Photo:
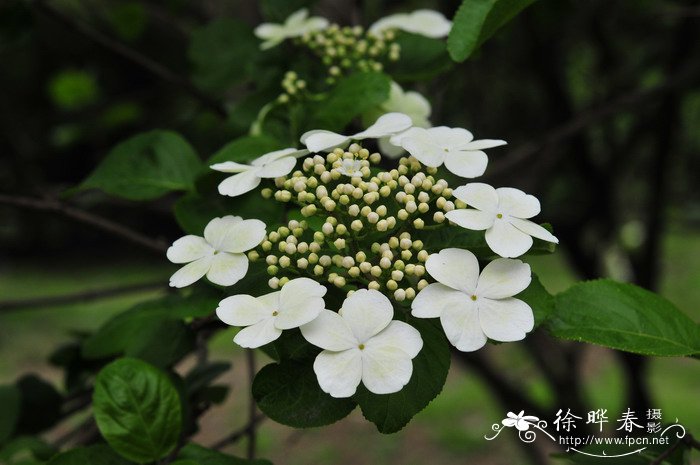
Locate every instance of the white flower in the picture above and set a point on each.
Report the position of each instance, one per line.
(520, 421)
(409, 103)
(428, 23)
(220, 254)
(271, 165)
(296, 25)
(299, 302)
(455, 147)
(502, 213)
(473, 306)
(363, 344)
(389, 124)
(351, 167)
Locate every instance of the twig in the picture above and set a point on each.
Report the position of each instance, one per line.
(82, 216)
(130, 54)
(252, 410)
(688, 440)
(86, 296)
(237, 435)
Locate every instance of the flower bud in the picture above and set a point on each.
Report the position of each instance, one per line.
(339, 243)
(422, 284)
(274, 283)
(272, 270)
(385, 263)
(374, 285)
(391, 285)
(423, 255)
(399, 295)
(418, 223)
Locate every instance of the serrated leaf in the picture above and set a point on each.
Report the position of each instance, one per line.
(391, 412)
(537, 297)
(146, 167)
(137, 410)
(476, 21)
(624, 317)
(289, 393)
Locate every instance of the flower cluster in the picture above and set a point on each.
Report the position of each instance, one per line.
(367, 233)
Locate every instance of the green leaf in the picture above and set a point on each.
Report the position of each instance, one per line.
(137, 410)
(624, 317)
(277, 11)
(391, 412)
(221, 53)
(421, 58)
(202, 375)
(99, 454)
(146, 166)
(245, 149)
(537, 297)
(73, 89)
(26, 445)
(289, 394)
(10, 401)
(352, 96)
(476, 21)
(203, 456)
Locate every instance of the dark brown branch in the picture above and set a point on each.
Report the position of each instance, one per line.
(239, 434)
(252, 410)
(78, 297)
(129, 54)
(82, 216)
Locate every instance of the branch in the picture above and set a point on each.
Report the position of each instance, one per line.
(86, 296)
(237, 435)
(82, 216)
(129, 54)
(252, 410)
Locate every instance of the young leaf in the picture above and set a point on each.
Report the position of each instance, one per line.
(289, 394)
(146, 166)
(137, 410)
(476, 21)
(98, 454)
(624, 317)
(10, 401)
(203, 456)
(391, 412)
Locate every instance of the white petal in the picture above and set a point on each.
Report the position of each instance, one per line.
(315, 23)
(268, 31)
(507, 240)
(482, 144)
(433, 299)
(456, 268)
(462, 327)
(451, 138)
(240, 183)
(388, 149)
(258, 334)
(277, 168)
(533, 229)
(218, 228)
(478, 195)
(187, 249)
(242, 310)
(476, 220)
(301, 300)
(366, 312)
(320, 140)
(505, 319)
(230, 167)
(429, 23)
(419, 143)
(389, 22)
(297, 18)
(227, 268)
(241, 236)
(502, 278)
(509, 422)
(191, 272)
(467, 164)
(385, 369)
(339, 373)
(269, 157)
(386, 125)
(515, 202)
(397, 335)
(329, 331)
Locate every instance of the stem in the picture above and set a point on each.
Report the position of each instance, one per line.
(252, 410)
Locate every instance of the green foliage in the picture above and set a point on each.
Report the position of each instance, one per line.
(391, 412)
(40, 407)
(343, 103)
(73, 89)
(128, 19)
(476, 21)
(203, 456)
(278, 10)
(244, 149)
(146, 167)
(624, 317)
(221, 53)
(10, 401)
(422, 58)
(98, 454)
(137, 410)
(289, 394)
(537, 297)
(17, 451)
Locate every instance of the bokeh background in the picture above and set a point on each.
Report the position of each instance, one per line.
(599, 101)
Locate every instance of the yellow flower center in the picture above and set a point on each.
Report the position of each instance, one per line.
(361, 347)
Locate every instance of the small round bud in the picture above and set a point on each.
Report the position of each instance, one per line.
(385, 263)
(423, 255)
(318, 270)
(410, 293)
(354, 272)
(422, 284)
(373, 217)
(302, 263)
(376, 271)
(402, 214)
(272, 270)
(347, 262)
(400, 295)
(354, 210)
(285, 261)
(391, 285)
(356, 225)
(439, 217)
(271, 260)
(397, 275)
(374, 285)
(405, 243)
(327, 229)
(290, 249)
(418, 223)
(274, 283)
(339, 243)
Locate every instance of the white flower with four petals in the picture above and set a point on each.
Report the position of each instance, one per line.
(320, 140)
(471, 306)
(220, 254)
(296, 25)
(427, 23)
(363, 345)
(521, 421)
(410, 103)
(297, 303)
(503, 213)
(455, 147)
(271, 165)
